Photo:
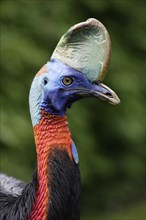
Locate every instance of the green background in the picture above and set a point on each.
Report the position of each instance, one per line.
(110, 139)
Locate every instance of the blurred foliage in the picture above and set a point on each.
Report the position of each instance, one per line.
(129, 213)
(110, 139)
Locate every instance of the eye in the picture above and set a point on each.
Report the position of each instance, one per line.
(45, 81)
(67, 81)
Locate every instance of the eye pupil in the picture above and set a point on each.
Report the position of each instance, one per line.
(67, 81)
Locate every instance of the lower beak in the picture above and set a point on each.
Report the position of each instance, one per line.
(105, 93)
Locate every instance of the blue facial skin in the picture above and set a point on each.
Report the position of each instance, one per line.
(48, 91)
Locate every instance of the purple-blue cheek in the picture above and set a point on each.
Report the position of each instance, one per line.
(54, 104)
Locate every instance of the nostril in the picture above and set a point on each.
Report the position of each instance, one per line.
(108, 94)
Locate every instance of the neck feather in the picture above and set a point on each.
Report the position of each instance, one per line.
(52, 132)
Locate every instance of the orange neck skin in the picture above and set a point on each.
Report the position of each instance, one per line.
(51, 132)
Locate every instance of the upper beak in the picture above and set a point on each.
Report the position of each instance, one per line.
(99, 90)
(105, 93)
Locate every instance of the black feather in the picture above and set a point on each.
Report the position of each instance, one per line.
(18, 207)
(64, 187)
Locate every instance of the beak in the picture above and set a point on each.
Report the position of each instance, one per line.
(105, 93)
(102, 92)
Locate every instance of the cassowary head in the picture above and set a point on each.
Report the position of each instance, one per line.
(75, 70)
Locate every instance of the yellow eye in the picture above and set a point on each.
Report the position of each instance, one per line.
(67, 81)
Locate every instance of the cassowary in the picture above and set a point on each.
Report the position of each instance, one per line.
(75, 70)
